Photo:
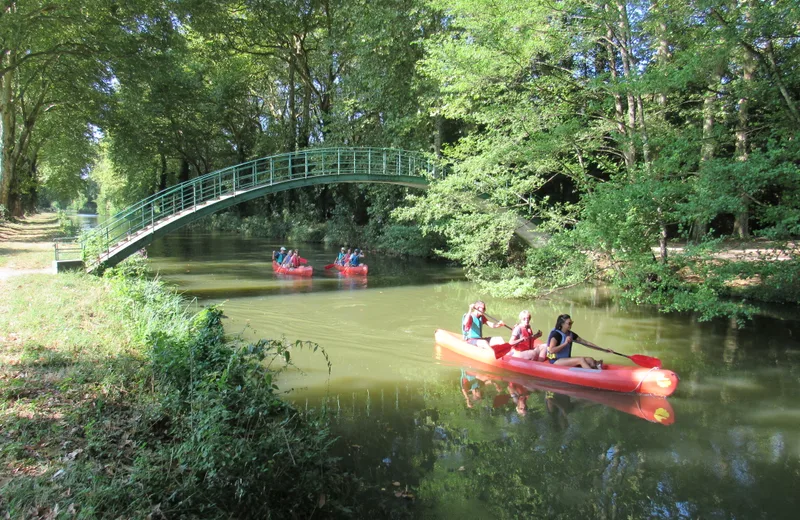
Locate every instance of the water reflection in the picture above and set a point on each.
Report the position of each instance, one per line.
(293, 284)
(522, 449)
(559, 400)
(351, 283)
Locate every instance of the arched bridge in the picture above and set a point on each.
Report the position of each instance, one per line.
(155, 216)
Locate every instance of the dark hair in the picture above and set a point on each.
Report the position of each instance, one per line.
(560, 321)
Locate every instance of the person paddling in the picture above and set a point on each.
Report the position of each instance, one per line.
(559, 346)
(287, 261)
(522, 340)
(355, 258)
(340, 257)
(279, 256)
(472, 326)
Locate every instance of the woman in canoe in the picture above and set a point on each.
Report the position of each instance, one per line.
(472, 326)
(340, 258)
(559, 346)
(522, 337)
(288, 260)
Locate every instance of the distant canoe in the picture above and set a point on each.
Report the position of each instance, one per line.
(357, 270)
(305, 270)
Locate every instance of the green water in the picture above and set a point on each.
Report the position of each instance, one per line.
(445, 440)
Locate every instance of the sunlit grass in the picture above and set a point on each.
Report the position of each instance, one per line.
(73, 314)
(26, 255)
(28, 243)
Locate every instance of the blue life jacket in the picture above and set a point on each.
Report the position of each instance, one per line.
(564, 352)
(476, 327)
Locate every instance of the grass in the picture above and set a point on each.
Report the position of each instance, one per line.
(62, 352)
(118, 401)
(28, 244)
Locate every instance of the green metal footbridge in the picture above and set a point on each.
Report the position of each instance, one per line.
(131, 229)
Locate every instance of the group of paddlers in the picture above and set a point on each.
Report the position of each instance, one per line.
(349, 257)
(289, 259)
(557, 350)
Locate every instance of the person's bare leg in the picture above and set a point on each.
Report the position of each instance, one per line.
(525, 354)
(573, 362)
(496, 340)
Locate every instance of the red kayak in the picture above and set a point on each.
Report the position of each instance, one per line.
(651, 408)
(303, 270)
(617, 378)
(357, 270)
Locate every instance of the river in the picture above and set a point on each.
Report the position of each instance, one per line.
(445, 440)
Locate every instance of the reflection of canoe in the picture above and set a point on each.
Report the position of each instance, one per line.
(357, 270)
(303, 270)
(651, 408)
(618, 378)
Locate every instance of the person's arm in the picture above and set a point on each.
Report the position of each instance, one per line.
(516, 337)
(587, 343)
(493, 324)
(465, 393)
(554, 348)
(467, 323)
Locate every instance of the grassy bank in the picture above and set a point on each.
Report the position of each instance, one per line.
(122, 400)
(28, 244)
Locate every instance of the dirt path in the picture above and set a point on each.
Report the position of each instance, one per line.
(26, 246)
(750, 250)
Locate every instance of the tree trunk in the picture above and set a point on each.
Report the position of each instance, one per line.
(740, 223)
(305, 136)
(292, 107)
(618, 110)
(185, 169)
(437, 136)
(7, 127)
(628, 65)
(709, 147)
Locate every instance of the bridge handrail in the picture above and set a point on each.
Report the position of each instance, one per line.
(245, 176)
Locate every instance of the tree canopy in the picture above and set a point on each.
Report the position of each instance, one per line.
(619, 128)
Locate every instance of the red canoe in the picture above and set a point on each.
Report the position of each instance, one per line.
(653, 408)
(303, 270)
(617, 378)
(357, 270)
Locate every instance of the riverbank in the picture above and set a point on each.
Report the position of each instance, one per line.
(121, 399)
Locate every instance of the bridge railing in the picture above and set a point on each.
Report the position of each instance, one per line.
(267, 171)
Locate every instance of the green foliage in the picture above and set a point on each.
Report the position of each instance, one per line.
(67, 227)
(406, 239)
(170, 403)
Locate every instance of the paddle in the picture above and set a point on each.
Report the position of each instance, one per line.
(504, 348)
(330, 266)
(302, 260)
(639, 359)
